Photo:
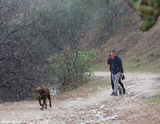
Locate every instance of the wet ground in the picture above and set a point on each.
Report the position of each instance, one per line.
(97, 108)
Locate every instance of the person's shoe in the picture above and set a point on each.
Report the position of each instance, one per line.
(112, 93)
(124, 91)
(115, 94)
(120, 92)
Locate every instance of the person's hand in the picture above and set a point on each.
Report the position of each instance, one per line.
(122, 74)
(123, 77)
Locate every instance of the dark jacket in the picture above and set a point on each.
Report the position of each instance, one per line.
(116, 64)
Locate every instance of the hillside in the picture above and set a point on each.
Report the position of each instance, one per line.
(139, 50)
(51, 44)
(117, 32)
(63, 45)
(132, 43)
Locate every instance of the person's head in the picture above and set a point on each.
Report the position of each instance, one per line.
(113, 53)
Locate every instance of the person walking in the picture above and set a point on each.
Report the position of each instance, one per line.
(110, 68)
(120, 79)
(116, 71)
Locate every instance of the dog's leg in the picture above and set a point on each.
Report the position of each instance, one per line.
(43, 103)
(40, 102)
(49, 98)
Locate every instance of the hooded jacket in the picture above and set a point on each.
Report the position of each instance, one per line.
(116, 64)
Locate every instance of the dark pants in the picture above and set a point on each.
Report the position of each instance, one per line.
(120, 82)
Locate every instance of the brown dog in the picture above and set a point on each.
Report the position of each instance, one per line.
(43, 93)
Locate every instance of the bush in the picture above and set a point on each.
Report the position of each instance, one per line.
(72, 69)
(149, 10)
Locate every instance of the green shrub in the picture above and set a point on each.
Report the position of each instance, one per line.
(149, 10)
(72, 69)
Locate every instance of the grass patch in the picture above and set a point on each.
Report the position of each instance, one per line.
(145, 63)
(148, 62)
(99, 67)
(153, 100)
(85, 90)
(142, 65)
(100, 82)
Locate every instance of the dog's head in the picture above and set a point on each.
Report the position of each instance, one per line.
(38, 92)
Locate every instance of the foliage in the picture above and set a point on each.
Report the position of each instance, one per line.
(110, 19)
(30, 37)
(149, 10)
(61, 26)
(23, 64)
(72, 69)
(65, 22)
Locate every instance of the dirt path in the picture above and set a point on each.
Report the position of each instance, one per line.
(100, 108)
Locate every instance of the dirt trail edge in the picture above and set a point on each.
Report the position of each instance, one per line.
(100, 108)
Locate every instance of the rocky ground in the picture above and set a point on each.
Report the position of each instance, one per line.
(138, 105)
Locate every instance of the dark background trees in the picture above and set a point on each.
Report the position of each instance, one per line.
(22, 65)
(41, 43)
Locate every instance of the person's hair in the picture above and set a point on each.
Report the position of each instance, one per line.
(114, 51)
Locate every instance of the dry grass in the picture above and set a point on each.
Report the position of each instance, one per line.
(86, 90)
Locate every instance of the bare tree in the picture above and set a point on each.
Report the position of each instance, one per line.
(23, 65)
